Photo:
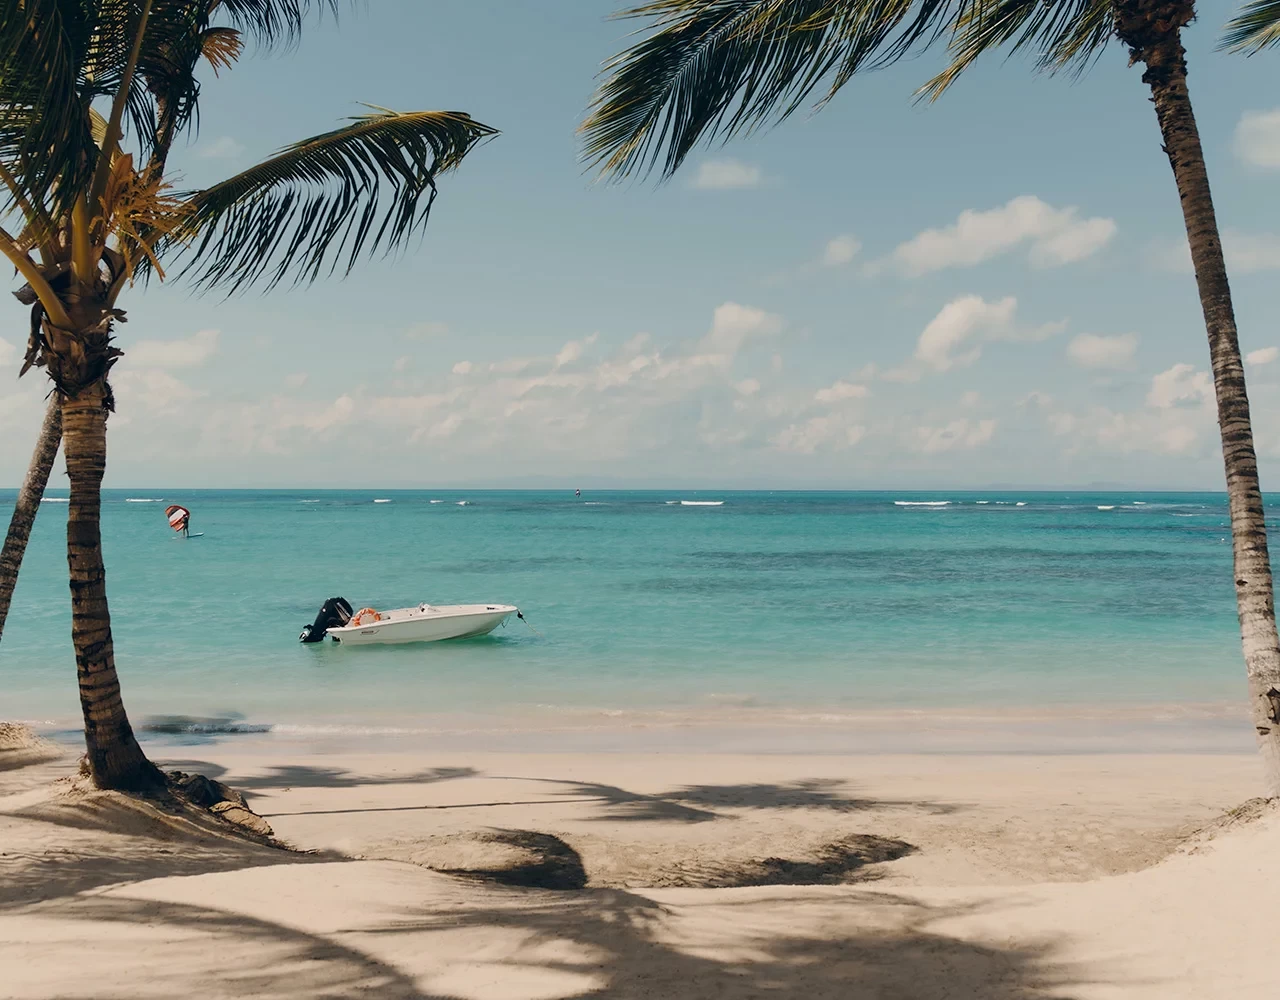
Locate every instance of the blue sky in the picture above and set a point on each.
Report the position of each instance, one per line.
(991, 289)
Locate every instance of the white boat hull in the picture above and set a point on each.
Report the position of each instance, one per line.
(426, 624)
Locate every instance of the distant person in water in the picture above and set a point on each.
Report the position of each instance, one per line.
(577, 493)
(186, 526)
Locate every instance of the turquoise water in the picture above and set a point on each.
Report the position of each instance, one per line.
(830, 601)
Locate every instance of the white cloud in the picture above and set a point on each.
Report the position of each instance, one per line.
(401, 363)
(961, 321)
(748, 386)
(840, 391)
(1245, 253)
(1176, 418)
(1257, 139)
(1262, 356)
(1180, 385)
(1249, 252)
(222, 148)
(7, 352)
(841, 250)
(1089, 350)
(727, 175)
(957, 434)
(970, 399)
(805, 438)
(296, 381)
(463, 368)
(572, 351)
(150, 391)
(1056, 235)
(733, 325)
(340, 411)
(163, 354)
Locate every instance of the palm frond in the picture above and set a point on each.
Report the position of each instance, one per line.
(1065, 35)
(271, 23)
(362, 188)
(43, 136)
(713, 68)
(139, 210)
(1255, 28)
(221, 47)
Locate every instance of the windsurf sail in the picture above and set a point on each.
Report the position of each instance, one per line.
(179, 517)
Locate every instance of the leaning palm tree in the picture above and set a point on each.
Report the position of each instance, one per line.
(710, 69)
(95, 211)
(27, 505)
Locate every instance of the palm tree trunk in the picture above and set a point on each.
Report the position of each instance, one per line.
(1166, 74)
(24, 511)
(114, 757)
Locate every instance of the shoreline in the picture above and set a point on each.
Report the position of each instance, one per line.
(1190, 728)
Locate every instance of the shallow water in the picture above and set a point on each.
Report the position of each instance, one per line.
(645, 601)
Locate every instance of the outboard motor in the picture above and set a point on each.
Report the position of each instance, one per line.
(334, 613)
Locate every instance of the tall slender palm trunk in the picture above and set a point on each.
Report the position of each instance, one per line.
(24, 511)
(114, 757)
(1151, 28)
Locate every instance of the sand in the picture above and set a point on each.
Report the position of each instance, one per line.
(686, 875)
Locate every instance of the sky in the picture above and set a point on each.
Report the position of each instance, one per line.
(992, 289)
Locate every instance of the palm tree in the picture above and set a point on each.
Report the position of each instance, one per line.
(710, 69)
(92, 222)
(27, 504)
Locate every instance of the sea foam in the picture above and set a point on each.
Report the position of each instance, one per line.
(922, 503)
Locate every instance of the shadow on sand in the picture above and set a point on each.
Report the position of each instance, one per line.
(78, 895)
(698, 803)
(543, 861)
(606, 944)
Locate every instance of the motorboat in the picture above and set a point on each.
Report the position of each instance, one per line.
(425, 623)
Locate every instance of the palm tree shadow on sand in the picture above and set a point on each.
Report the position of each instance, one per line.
(603, 943)
(98, 889)
(698, 803)
(544, 861)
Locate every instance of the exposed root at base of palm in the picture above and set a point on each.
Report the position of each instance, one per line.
(177, 791)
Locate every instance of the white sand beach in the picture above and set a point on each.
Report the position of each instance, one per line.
(539, 876)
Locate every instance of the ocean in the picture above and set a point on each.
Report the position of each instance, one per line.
(649, 607)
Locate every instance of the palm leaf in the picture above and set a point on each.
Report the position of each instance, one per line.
(1065, 34)
(713, 68)
(271, 23)
(44, 140)
(1255, 28)
(221, 47)
(362, 188)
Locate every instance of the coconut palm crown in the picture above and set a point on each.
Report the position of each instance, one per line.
(707, 70)
(93, 94)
